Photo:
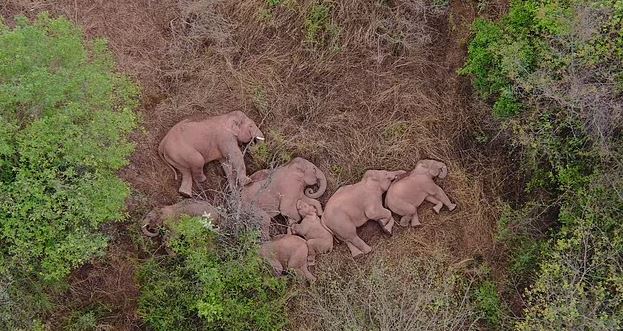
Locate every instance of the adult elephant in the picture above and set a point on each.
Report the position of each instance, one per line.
(277, 192)
(351, 206)
(190, 144)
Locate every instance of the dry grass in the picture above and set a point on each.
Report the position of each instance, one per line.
(376, 89)
(415, 290)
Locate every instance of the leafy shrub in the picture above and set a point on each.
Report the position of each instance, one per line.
(488, 301)
(64, 121)
(205, 286)
(559, 62)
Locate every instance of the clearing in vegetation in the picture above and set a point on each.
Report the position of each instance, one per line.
(535, 166)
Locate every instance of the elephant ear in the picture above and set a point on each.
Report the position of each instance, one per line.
(434, 171)
(234, 125)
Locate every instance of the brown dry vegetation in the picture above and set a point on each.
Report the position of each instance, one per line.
(376, 89)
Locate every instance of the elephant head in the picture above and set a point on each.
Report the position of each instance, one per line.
(311, 176)
(244, 128)
(305, 209)
(432, 167)
(382, 178)
(151, 221)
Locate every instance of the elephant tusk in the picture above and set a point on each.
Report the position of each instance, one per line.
(260, 138)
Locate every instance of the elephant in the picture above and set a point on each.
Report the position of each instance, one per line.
(319, 237)
(407, 194)
(156, 217)
(351, 206)
(190, 144)
(287, 251)
(277, 192)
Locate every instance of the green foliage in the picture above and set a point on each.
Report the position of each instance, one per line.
(273, 152)
(209, 286)
(319, 30)
(489, 303)
(65, 118)
(537, 65)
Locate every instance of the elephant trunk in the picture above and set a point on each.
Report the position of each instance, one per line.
(146, 222)
(322, 185)
(147, 232)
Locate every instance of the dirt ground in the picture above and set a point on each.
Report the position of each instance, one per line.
(375, 88)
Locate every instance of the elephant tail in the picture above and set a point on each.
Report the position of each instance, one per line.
(166, 160)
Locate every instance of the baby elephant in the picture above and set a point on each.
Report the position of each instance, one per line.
(407, 194)
(155, 218)
(287, 251)
(319, 238)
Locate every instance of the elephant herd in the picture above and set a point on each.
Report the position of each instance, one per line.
(287, 191)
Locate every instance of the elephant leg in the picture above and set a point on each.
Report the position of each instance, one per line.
(277, 266)
(382, 216)
(186, 188)
(229, 174)
(314, 203)
(310, 277)
(415, 220)
(405, 220)
(439, 194)
(360, 245)
(198, 174)
(354, 251)
(313, 251)
(438, 204)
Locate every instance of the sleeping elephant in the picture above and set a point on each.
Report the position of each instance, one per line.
(351, 206)
(407, 194)
(319, 238)
(189, 145)
(195, 208)
(287, 251)
(277, 191)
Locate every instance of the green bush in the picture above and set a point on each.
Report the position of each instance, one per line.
(559, 63)
(210, 286)
(489, 303)
(64, 121)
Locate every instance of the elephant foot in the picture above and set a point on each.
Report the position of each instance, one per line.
(405, 220)
(415, 222)
(452, 206)
(186, 193)
(202, 178)
(437, 208)
(387, 228)
(354, 251)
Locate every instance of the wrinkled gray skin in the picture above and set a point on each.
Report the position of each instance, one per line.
(287, 252)
(351, 206)
(189, 145)
(277, 192)
(319, 238)
(155, 218)
(407, 194)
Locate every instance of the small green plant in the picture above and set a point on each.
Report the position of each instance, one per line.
(319, 31)
(273, 152)
(210, 286)
(65, 118)
(488, 302)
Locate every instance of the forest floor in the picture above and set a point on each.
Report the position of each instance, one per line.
(369, 86)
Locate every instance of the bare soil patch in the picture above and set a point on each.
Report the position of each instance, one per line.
(375, 88)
